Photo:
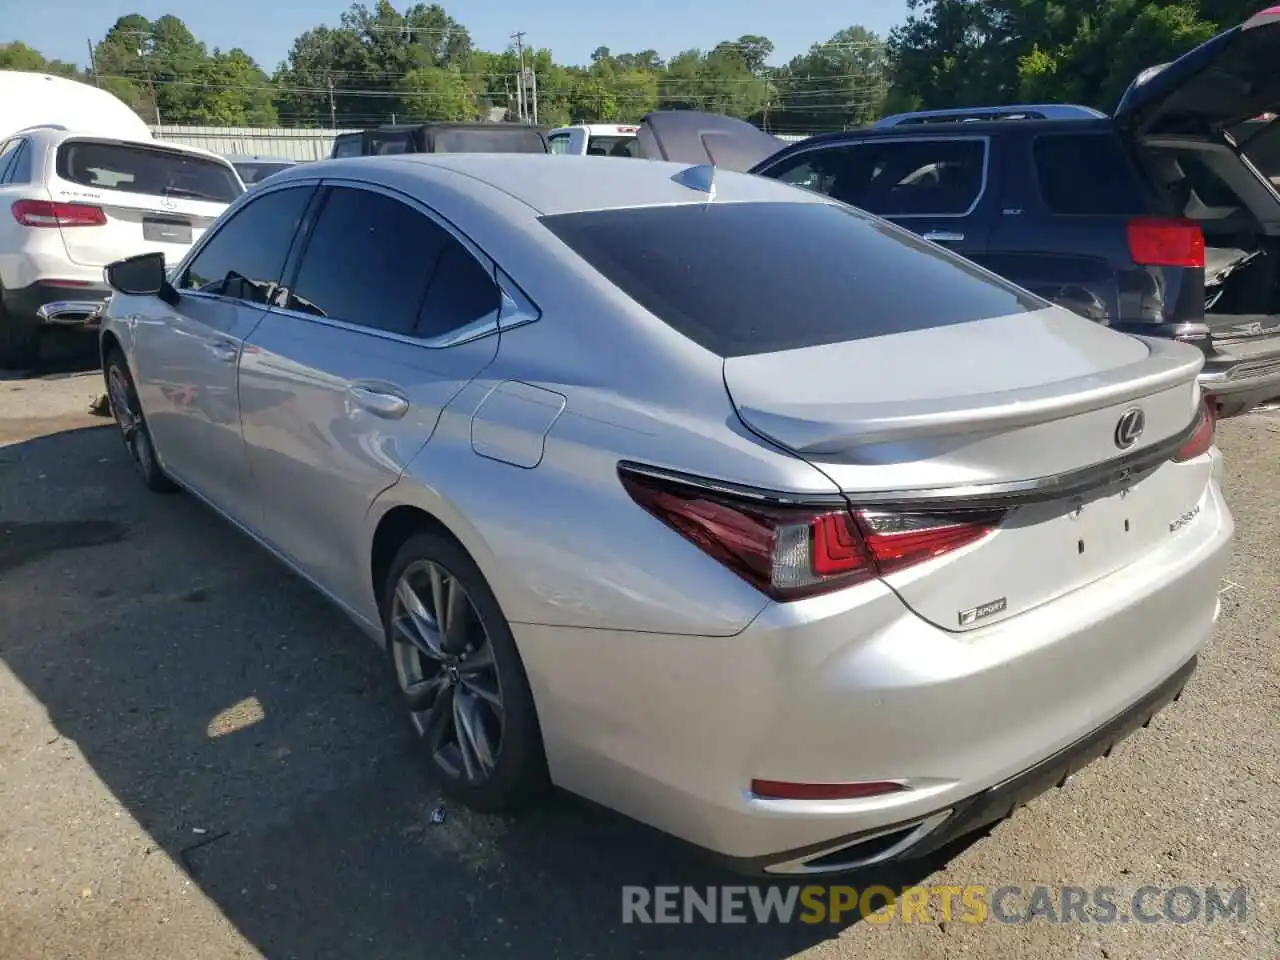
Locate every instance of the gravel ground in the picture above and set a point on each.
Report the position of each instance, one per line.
(199, 758)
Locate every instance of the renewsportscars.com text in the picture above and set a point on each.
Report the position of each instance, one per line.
(973, 904)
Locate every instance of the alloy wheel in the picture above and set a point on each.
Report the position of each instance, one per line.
(445, 667)
(129, 419)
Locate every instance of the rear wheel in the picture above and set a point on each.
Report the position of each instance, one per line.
(461, 677)
(19, 342)
(123, 400)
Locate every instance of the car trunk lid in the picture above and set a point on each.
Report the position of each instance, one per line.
(1228, 79)
(690, 136)
(916, 423)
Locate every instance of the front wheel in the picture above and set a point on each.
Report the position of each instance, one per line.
(123, 400)
(461, 677)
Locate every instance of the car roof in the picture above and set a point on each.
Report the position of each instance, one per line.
(547, 183)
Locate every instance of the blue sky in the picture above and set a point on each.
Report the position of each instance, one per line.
(571, 28)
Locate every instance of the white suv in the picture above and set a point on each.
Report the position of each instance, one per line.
(70, 203)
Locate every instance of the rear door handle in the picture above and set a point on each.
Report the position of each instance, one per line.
(224, 351)
(943, 236)
(379, 401)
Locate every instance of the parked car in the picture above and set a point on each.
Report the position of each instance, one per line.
(72, 203)
(442, 138)
(649, 495)
(596, 140)
(254, 169)
(1147, 221)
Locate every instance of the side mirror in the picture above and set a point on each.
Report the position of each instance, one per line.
(142, 275)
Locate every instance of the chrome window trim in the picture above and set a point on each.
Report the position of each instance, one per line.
(984, 139)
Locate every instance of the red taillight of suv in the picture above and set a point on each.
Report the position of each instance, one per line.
(795, 551)
(45, 213)
(1202, 439)
(1157, 242)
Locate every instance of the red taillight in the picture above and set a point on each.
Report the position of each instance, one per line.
(790, 552)
(1166, 243)
(44, 213)
(780, 790)
(1202, 439)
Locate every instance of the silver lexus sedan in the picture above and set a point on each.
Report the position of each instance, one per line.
(709, 498)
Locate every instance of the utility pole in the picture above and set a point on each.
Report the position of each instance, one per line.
(93, 65)
(151, 83)
(333, 110)
(518, 37)
(533, 77)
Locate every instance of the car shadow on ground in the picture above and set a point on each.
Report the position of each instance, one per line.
(253, 734)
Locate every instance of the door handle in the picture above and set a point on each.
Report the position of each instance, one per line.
(943, 236)
(226, 352)
(380, 402)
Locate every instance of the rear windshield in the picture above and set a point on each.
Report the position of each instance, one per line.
(623, 146)
(479, 140)
(1087, 175)
(152, 171)
(256, 172)
(749, 278)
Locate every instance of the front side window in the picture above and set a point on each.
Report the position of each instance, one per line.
(154, 171)
(246, 256)
(894, 178)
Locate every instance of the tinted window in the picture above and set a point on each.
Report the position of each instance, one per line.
(368, 261)
(348, 147)
(20, 171)
(895, 178)
(559, 144)
(1086, 175)
(256, 171)
(7, 152)
(245, 257)
(747, 278)
(381, 144)
(462, 292)
(149, 170)
(479, 140)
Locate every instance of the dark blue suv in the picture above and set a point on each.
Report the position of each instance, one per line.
(1151, 220)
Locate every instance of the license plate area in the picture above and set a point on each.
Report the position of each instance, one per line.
(166, 230)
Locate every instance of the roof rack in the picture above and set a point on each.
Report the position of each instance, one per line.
(1038, 111)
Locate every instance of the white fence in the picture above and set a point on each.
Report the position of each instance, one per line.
(293, 143)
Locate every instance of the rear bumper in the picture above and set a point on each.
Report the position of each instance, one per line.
(52, 303)
(854, 687)
(922, 836)
(1242, 374)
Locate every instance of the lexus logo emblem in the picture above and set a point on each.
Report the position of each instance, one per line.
(1129, 429)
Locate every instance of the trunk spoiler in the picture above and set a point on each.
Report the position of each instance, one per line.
(837, 429)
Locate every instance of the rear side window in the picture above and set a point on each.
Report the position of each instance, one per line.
(147, 170)
(917, 177)
(1087, 175)
(750, 278)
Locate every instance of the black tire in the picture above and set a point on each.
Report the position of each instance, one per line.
(19, 342)
(518, 776)
(127, 411)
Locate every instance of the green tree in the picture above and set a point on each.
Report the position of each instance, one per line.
(436, 93)
(839, 83)
(18, 56)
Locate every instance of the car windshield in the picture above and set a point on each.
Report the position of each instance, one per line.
(149, 170)
(750, 278)
(258, 170)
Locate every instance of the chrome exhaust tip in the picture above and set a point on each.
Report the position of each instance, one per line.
(866, 851)
(71, 311)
